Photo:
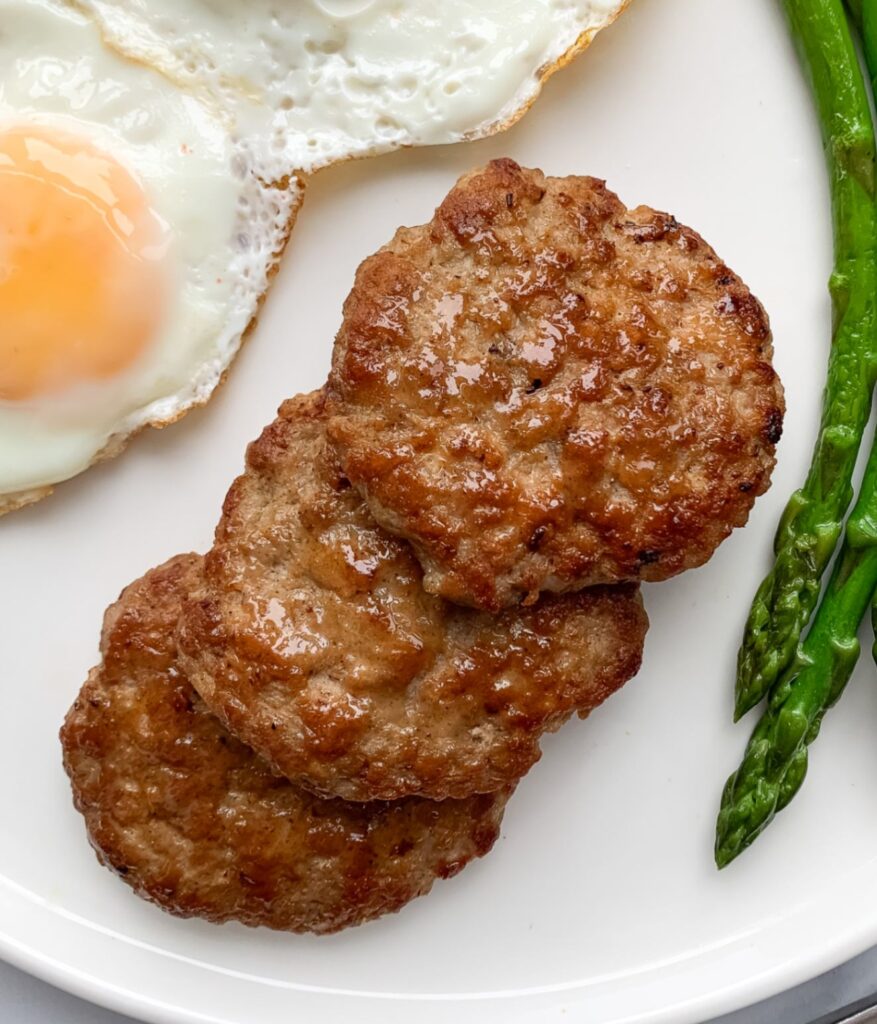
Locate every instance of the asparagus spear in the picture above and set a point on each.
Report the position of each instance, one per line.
(775, 762)
(864, 15)
(811, 524)
(855, 9)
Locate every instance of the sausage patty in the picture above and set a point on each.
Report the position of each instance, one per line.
(194, 821)
(313, 640)
(544, 390)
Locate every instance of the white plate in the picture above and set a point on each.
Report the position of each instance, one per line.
(600, 902)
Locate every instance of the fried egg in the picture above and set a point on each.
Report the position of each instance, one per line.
(312, 82)
(152, 155)
(135, 243)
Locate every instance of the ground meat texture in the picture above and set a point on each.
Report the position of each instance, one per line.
(194, 821)
(543, 390)
(312, 638)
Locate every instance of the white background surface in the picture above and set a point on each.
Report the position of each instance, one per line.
(600, 901)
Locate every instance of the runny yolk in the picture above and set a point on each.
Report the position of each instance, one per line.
(81, 278)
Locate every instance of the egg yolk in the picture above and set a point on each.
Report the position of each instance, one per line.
(81, 276)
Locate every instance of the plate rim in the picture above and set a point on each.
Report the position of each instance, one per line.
(745, 990)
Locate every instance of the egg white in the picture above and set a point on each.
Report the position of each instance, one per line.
(313, 82)
(226, 229)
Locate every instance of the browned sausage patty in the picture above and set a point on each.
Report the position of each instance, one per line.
(544, 390)
(315, 643)
(191, 819)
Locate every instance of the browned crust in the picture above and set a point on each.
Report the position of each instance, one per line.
(542, 390)
(313, 640)
(193, 821)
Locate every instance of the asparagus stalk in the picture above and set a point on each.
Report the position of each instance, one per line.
(855, 9)
(775, 762)
(863, 14)
(811, 524)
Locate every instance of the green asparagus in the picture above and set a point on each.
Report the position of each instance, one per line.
(867, 22)
(860, 12)
(864, 14)
(811, 524)
(775, 762)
